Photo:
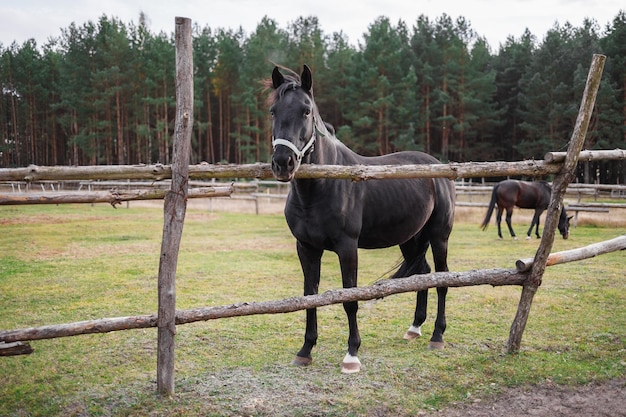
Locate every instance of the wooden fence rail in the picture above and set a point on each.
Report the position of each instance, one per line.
(156, 172)
(615, 154)
(383, 288)
(159, 172)
(590, 251)
(113, 197)
(123, 191)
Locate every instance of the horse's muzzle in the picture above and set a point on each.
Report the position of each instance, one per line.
(283, 166)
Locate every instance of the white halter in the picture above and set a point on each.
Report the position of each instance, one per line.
(299, 153)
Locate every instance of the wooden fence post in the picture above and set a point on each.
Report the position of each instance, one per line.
(174, 207)
(559, 185)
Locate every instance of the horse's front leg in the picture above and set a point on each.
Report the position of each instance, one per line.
(310, 260)
(436, 341)
(439, 247)
(348, 260)
(419, 317)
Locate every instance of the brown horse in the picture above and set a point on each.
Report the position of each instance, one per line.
(529, 195)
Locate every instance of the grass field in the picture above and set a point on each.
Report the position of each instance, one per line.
(69, 263)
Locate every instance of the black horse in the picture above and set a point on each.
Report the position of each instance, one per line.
(343, 215)
(531, 195)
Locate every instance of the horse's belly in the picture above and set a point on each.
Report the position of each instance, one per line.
(378, 218)
(395, 220)
(384, 235)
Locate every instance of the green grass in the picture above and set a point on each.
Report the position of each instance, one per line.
(69, 263)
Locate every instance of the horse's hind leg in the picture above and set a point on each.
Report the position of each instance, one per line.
(509, 214)
(535, 223)
(414, 255)
(439, 241)
(499, 221)
(436, 341)
(439, 245)
(419, 318)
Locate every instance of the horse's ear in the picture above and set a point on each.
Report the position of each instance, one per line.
(277, 78)
(306, 78)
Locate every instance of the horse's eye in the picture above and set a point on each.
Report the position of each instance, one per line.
(307, 113)
(272, 114)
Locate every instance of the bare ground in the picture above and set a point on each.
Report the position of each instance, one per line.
(548, 400)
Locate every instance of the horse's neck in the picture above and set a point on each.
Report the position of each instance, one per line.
(329, 150)
(326, 151)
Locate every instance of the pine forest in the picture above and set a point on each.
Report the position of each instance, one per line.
(103, 93)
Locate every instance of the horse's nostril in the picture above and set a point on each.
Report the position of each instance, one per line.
(283, 163)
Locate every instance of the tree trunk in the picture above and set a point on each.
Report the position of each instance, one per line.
(445, 131)
(428, 125)
(121, 143)
(210, 156)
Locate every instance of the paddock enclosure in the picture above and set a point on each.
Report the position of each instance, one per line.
(528, 273)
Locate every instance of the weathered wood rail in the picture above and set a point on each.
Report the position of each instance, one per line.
(383, 288)
(590, 251)
(157, 172)
(113, 197)
(452, 170)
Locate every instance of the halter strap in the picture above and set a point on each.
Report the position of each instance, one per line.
(299, 153)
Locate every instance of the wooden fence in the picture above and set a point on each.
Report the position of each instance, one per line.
(175, 205)
(257, 191)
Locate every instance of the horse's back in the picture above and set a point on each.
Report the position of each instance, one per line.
(523, 194)
(378, 213)
(440, 189)
(404, 205)
(399, 158)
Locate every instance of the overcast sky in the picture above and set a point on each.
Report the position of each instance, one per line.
(493, 19)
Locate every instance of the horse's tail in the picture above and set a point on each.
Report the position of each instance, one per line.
(414, 261)
(412, 267)
(492, 204)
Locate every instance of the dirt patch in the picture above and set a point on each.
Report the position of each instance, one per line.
(242, 392)
(547, 400)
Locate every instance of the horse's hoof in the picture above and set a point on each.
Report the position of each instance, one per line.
(436, 345)
(514, 237)
(350, 365)
(413, 333)
(300, 361)
(528, 238)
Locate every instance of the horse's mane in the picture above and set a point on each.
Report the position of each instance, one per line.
(292, 81)
(545, 183)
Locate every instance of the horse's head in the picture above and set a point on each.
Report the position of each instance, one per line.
(564, 224)
(293, 122)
